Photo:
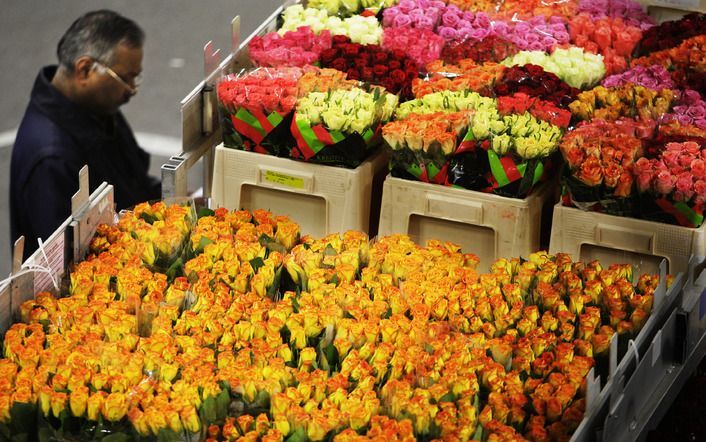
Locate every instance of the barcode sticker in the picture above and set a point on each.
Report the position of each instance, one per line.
(284, 179)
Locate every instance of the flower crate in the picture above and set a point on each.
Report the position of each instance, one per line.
(323, 199)
(488, 225)
(611, 239)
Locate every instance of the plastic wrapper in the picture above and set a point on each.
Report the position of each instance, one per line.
(534, 81)
(163, 228)
(623, 101)
(340, 127)
(465, 75)
(256, 109)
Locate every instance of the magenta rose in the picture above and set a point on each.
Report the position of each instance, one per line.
(401, 21)
(450, 19)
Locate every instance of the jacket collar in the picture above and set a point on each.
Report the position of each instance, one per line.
(80, 122)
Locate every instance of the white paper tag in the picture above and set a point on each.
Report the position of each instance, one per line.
(55, 254)
(656, 348)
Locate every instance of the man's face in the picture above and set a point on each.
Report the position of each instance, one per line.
(105, 93)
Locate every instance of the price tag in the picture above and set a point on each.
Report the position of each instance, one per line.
(284, 179)
(680, 3)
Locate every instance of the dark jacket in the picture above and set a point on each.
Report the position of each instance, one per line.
(55, 139)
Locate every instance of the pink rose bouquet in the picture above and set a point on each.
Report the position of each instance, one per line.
(654, 77)
(421, 45)
(294, 48)
(421, 14)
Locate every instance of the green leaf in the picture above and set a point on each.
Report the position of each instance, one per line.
(203, 242)
(208, 411)
(23, 418)
(448, 397)
(149, 219)
(222, 403)
(117, 437)
(205, 211)
(256, 263)
(298, 436)
(168, 435)
(332, 356)
(174, 270)
(295, 305)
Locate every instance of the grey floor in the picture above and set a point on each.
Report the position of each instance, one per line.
(176, 33)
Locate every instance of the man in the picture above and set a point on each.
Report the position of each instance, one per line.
(73, 119)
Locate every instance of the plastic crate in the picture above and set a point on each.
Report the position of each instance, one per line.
(488, 225)
(666, 10)
(615, 239)
(322, 199)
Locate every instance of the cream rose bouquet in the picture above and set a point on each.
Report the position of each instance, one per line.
(340, 126)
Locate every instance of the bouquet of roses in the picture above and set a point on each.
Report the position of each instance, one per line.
(423, 144)
(535, 34)
(255, 106)
(534, 81)
(520, 103)
(654, 77)
(526, 9)
(340, 126)
(598, 164)
(421, 45)
(609, 36)
(577, 68)
(623, 101)
(343, 8)
(473, 77)
(464, 26)
(686, 62)
(364, 30)
(371, 64)
(673, 187)
(323, 80)
(421, 14)
(689, 111)
(671, 34)
(295, 48)
(632, 12)
(491, 49)
(495, 152)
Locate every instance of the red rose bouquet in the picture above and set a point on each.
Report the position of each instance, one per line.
(294, 48)
(254, 106)
(673, 187)
(492, 48)
(672, 33)
(392, 70)
(536, 82)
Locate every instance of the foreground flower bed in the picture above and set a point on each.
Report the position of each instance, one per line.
(265, 335)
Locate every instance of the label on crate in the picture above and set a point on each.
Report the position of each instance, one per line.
(54, 251)
(284, 179)
(702, 305)
(678, 3)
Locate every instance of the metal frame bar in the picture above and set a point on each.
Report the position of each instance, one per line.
(200, 128)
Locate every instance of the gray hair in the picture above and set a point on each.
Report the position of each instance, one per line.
(96, 34)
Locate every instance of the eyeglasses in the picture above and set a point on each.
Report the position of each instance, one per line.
(137, 81)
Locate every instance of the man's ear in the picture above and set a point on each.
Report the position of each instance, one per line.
(82, 67)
